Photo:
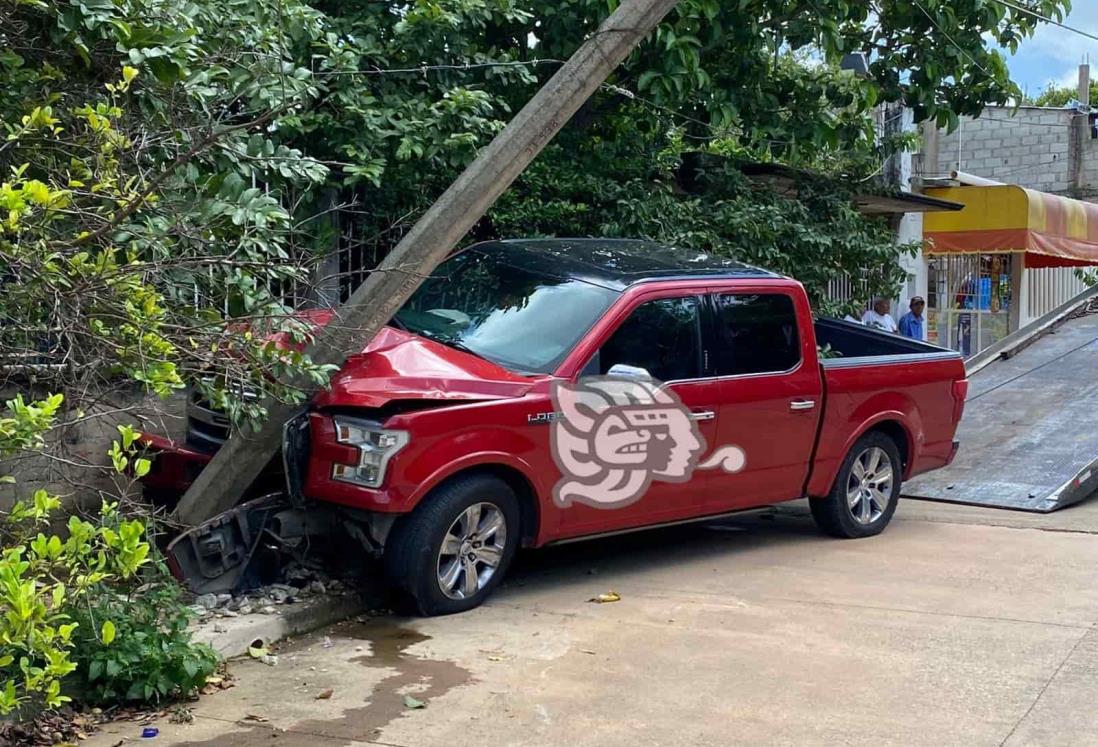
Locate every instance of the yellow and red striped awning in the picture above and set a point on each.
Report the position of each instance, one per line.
(1051, 231)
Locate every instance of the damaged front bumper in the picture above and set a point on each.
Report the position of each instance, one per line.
(248, 545)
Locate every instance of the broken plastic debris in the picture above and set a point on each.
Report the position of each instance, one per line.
(269, 659)
(149, 732)
(610, 596)
(327, 642)
(325, 694)
(410, 702)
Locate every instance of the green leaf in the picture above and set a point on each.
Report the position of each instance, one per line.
(136, 691)
(141, 467)
(646, 78)
(107, 633)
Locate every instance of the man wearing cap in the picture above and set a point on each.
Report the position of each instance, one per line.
(911, 323)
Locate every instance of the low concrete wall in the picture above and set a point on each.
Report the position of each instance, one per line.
(74, 464)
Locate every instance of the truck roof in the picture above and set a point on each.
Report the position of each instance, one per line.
(615, 263)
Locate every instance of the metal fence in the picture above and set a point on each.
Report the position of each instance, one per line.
(1048, 288)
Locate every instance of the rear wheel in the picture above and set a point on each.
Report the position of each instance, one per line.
(863, 499)
(452, 551)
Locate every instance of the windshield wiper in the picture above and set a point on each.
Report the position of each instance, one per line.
(450, 342)
(458, 345)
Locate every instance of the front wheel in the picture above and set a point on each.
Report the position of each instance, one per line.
(864, 497)
(452, 551)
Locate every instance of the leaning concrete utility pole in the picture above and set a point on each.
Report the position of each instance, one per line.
(224, 480)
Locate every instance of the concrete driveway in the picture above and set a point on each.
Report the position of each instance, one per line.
(957, 626)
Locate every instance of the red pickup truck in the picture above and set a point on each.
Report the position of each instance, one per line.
(446, 441)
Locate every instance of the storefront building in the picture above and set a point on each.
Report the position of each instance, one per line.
(1010, 256)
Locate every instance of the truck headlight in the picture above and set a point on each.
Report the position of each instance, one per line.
(376, 446)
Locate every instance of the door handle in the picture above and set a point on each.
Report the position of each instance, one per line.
(702, 415)
(799, 405)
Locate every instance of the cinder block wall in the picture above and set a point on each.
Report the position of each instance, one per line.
(1030, 147)
(1089, 191)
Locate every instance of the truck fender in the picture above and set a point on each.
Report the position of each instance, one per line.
(887, 407)
(471, 461)
(496, 450)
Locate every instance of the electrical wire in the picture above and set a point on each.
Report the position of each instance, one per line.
(424, 69)
(1046, 19)
(1016, 123)
(960, 49)
(1057, 359)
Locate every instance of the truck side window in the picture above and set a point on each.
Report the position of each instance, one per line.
(756, 333)
(662, 336)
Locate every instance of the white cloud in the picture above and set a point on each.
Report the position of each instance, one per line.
(1053, 55)
(1064, 45)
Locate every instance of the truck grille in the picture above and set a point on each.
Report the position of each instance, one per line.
(207, 427)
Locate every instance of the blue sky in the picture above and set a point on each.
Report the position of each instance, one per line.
(1054, 54)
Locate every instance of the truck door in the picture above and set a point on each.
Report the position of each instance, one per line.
(770, 391)
(661, 334)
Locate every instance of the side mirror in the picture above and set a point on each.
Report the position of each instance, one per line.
(629, 372)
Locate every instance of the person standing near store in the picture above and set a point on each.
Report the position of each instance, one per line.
(879, 316)
(912, 324)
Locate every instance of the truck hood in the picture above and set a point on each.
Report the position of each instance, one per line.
(398, 365)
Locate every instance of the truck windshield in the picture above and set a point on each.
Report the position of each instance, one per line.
(523, 320)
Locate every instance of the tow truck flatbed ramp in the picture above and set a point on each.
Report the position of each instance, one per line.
(1029, 436)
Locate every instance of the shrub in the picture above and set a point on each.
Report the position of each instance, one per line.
(86, 607)
(42, 579)
(152, 657)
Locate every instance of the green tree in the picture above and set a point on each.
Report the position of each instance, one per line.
(655, 187)
(756, 79)
(766, 71)
(1057, 96)
(202, 178)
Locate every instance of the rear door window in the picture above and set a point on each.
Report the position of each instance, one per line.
(755, 333)
(661, 336)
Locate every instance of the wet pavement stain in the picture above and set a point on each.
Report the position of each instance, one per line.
(425, 679)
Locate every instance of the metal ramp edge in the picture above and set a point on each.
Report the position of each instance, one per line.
(1031, 423)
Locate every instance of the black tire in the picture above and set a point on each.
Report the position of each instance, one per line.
(412, 552)
(836, 516)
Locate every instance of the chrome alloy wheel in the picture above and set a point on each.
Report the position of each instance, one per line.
(869, 488)
(471, 551)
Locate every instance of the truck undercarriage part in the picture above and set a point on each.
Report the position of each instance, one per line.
(247, 546)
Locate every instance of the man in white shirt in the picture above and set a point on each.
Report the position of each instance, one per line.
(880, 317)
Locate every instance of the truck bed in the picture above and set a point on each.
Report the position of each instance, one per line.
(882, 378)
(858, 342)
